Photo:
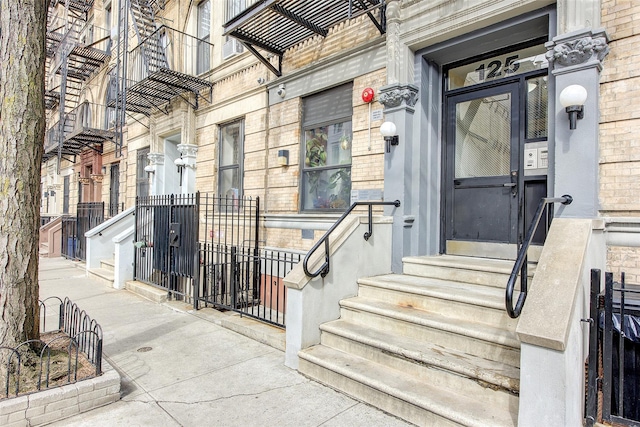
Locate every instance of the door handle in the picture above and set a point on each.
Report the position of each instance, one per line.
(509, 184)
(514, 183)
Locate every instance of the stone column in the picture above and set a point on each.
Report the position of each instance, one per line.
(399, 174)
(188, 153)
(86, 189)
(155, 170)
(97, 187)
(576, 58)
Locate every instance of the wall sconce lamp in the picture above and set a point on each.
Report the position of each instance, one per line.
(572, 98)
(182, 163)
(149, 169)
(388, 131)
(179, 162)
(283, 157)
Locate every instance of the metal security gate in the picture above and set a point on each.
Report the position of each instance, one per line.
(166, 242)
(205, 249)
(74, 244)
(613, 383)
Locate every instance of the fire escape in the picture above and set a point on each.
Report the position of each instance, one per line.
(75, 49)
(267, 28)
(160, 68)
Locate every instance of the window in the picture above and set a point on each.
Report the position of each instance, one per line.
(142, 180)
(203, 33)
(65, 195)
(110, 101)
(231, 155)
(326, 150)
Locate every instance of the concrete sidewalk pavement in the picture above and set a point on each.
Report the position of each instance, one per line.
(183, 369)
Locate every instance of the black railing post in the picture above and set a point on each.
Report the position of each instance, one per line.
(591, 411)
(607, 348)
(621, 351)
(234, 276)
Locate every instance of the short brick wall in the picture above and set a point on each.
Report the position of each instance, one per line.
(58, 403)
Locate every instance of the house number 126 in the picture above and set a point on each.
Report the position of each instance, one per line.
(494, 68)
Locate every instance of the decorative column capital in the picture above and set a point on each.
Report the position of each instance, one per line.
(578, 51)
(155, 158)
(97, 178)
(188, 150)
(84, 181)
(396, 95)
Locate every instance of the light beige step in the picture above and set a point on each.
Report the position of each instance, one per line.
(458, 300)
(480, 271)
(493, 382)
(103, 275)
(108, 264)
(399, 393)
(149, 292)
(465, 336)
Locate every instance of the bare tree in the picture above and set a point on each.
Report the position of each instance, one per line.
(22, 121)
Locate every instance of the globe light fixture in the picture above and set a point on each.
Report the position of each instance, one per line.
(572, 98)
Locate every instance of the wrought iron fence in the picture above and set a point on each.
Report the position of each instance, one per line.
(81, 335)
(613, 383)
(74, 244)
(69, 236)
(204, 249)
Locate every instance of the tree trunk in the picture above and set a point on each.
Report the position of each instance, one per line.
(22, 122)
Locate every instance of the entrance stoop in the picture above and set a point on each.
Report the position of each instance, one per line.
(433, 346)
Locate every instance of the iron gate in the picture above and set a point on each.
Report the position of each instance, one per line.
(88, 215)
(166, 242)
(613, 382)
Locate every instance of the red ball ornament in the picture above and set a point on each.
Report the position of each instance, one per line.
(367, 95)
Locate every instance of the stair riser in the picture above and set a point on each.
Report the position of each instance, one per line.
(107, 266)
(445, 339)
(451, 309)
(435, 376)
(487, 278)
(374, 397)
(105, 281)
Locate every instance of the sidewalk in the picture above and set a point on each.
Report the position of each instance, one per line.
(179, 369)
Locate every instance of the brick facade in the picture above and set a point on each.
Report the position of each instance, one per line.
(619, 125)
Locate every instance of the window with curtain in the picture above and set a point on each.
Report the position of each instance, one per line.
(326, 150)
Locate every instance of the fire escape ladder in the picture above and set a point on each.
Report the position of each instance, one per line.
(75, 50)
(151, 80)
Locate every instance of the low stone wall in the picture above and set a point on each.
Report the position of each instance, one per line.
(61, 402)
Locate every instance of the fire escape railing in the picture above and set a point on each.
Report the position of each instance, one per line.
(323, 270)
(521, 264)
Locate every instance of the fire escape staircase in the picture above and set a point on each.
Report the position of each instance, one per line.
(152, 82)
(75, 52)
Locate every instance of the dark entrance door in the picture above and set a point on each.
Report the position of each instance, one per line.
(482, 174)
(114, 189)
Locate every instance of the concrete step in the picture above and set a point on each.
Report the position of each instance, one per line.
(458, 300)
(493, 382)
(467, 336)
(149, 292)
(480, 271)
(103, 275)
(108, 264)
(398, 392)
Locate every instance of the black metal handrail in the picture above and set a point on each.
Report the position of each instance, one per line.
(324, 268)
(521, 261)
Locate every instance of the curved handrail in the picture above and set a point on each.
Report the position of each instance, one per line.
(324, 268)
(521, 261)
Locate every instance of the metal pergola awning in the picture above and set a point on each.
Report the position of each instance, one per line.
(276, 25)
